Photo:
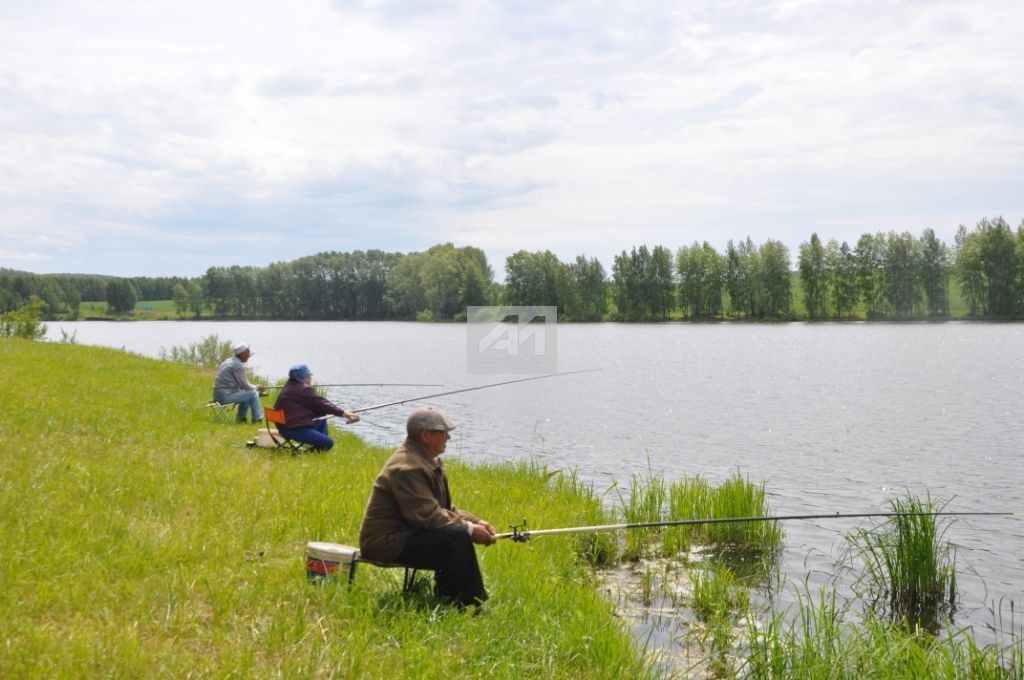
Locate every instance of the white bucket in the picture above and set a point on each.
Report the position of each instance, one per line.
(265, 439)
(323, 559)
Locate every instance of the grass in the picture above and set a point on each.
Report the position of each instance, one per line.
(736, 496)
(909, 570)
(827, 640)
(142, 539)
(144, 310)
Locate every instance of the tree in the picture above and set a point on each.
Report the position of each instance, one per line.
(591, 286)
(842, 270)
(902, 268)
(814, 277)
(935, 268)
(627, 276)
(540, 278)
(777, 284)
(869, 258)
(999, 263)
(702, 279)
(121, 296)
(968, 268)
(25, 322)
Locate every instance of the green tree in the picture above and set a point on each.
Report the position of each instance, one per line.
(936, 264)
(406, 294)
(179, 295)
(24, 322)
(841, 265)
(121, 296)
(777, 284)
(869, 256)
(702, 280)
(540, 278)
(813, 276)
(902, 273)
(968, 268)
(999, 263)
(591, 285)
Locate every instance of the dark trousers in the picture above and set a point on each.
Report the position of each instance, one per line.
(449, 553)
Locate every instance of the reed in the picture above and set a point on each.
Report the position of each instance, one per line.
(825, 639)
(909, 570)
(719, 602)
(688, 498)
(694, 498)
(717, 593)
(646, 503)
(597, 548)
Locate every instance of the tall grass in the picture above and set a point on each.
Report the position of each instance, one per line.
(719, 601)
(694, 498)
(596, 548)
(825, 639)
(909, 570)
(646, 503)
(141, 539)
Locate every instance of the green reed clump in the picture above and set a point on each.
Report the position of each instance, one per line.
(717, 593)
(909, 569)
(694, 498)
(646, 503)
(739, 497)
(719, 601)
(824, 639)
(688, 498)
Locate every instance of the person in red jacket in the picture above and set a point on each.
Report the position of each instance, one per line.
(304, 410)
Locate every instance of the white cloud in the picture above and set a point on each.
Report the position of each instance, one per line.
(579, 127)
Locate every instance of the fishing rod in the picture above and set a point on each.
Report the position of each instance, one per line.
(469, 389)
(361, 420)
(277, 387)
(521, 534)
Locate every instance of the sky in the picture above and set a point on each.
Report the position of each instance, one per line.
(161, 138)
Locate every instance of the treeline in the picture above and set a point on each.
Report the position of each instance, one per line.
(884, 275)
(63, 293)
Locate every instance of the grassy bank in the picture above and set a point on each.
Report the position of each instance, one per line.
(140, 538)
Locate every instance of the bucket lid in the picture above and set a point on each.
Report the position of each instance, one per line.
(332, 552)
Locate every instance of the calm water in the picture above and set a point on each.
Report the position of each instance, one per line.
(834, 417)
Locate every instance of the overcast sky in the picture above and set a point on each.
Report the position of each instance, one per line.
(162, 138)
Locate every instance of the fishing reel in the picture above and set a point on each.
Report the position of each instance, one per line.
(520, 534)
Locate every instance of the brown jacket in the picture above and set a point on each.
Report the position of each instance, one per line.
(410, 493)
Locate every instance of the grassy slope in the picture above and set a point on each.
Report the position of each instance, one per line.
(139, 538)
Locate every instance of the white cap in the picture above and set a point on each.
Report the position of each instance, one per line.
(239, 348)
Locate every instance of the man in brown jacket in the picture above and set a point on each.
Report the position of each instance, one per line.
(410, 517)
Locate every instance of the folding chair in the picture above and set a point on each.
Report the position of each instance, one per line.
(275, 416)
(221, 411)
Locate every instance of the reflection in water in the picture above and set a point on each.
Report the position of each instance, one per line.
(833, 417)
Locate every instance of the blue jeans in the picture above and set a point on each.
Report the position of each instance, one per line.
(316, 435)
(247, 400)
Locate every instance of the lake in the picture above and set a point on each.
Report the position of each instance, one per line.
(833, 417)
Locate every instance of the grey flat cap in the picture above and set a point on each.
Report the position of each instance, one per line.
(428, 419)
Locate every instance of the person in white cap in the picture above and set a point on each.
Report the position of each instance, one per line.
(410, 518)
(231, 386)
